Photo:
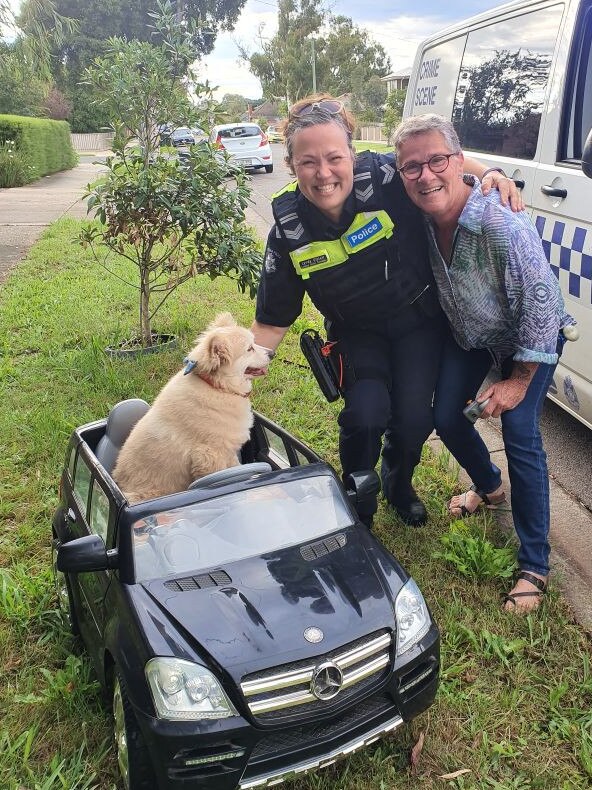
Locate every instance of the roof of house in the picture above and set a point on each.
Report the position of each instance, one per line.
(397, 75)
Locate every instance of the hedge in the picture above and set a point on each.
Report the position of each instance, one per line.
(44, 144)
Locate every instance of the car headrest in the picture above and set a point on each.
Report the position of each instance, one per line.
(122, 418)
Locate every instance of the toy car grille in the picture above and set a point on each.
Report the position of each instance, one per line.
(274, 693)
(315, 550)
(295, 738)
(212, 579)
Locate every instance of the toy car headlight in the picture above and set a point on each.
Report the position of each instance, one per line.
(182, 690)
(413, 620)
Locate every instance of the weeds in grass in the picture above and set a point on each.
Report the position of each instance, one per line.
(474, 555)
(584, 750)
(71, 773)
(24, 598)
(70, 684)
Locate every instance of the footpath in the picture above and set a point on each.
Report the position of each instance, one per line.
(24, 214)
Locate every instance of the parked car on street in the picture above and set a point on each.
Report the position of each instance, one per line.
(164, 133)
(274, 135)
(248, 629)
(182, 136)
(199, 135)
(245, 143)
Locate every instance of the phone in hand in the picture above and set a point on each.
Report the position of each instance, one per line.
(474, 409)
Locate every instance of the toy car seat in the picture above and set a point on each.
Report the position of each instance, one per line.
(122, 418)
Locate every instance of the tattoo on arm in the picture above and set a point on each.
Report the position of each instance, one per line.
(524, 371)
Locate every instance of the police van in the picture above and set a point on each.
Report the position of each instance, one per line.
(517, 84)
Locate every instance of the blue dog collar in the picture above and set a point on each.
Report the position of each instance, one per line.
(189, 365)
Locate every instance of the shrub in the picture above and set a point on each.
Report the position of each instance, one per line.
(14, 169)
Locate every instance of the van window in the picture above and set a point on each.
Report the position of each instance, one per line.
(502, 83)
(578, 108)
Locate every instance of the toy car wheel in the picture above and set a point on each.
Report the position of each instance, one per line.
(269, 168)
(64, 595)
(132, 755)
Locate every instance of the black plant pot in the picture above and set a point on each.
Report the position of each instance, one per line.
(133, 348)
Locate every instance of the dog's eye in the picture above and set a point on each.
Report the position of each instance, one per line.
(251, 348)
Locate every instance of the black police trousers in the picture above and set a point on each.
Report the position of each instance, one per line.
(395, 378)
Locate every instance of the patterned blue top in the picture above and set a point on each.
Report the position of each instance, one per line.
(499, 292)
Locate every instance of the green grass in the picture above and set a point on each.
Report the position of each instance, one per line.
(514, 705)
(367, 145)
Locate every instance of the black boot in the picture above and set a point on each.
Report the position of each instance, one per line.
(413, 513)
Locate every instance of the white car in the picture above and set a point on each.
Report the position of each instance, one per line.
(244, 143)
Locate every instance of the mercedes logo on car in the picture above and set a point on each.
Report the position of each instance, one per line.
(327, 680)
(313, 634)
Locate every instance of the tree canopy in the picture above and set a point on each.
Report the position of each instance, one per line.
(97, 22)
(27, 82)
(345, 56)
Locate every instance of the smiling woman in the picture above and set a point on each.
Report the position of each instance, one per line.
(504, 305)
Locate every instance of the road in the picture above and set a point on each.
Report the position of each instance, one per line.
(567, 441)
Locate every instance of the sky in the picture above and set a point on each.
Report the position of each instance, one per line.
(398, 26)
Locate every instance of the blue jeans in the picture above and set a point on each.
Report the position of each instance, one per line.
(461, 375)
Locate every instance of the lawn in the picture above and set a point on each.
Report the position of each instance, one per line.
(514, 709)
(367, 145)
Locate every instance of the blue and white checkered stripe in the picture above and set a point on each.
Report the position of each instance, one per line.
(569, 251)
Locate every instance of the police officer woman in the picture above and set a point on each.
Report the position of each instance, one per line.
(346, 233)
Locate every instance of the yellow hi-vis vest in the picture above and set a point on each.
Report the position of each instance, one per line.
(367, 228)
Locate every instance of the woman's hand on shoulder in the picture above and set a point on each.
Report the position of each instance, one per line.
(509, 192)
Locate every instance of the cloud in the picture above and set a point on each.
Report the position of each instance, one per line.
(224, 67)
(401, 35)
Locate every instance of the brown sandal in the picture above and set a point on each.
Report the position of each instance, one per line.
(487, 500)
(540, 584)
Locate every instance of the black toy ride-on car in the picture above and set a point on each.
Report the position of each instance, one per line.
(248, 629)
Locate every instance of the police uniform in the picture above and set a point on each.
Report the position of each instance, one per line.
(370, 277)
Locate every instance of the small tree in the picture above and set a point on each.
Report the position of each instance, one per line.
(173, 217)
(393, 113)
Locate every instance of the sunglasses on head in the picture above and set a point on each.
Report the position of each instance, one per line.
(332, 106)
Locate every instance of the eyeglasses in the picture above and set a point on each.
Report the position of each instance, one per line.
(332, 106)
(437, 163)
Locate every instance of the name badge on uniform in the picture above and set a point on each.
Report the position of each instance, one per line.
(314, 261)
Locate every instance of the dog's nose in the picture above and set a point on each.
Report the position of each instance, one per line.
(269, 352)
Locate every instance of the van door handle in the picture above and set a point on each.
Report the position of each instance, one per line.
(553, 191)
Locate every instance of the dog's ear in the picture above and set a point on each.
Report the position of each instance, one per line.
(219, 352)
(222, 319)
(212, 351)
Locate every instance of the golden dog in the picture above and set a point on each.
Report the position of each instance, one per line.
(200, 419)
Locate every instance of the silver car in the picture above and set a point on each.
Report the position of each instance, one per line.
(244, 143)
